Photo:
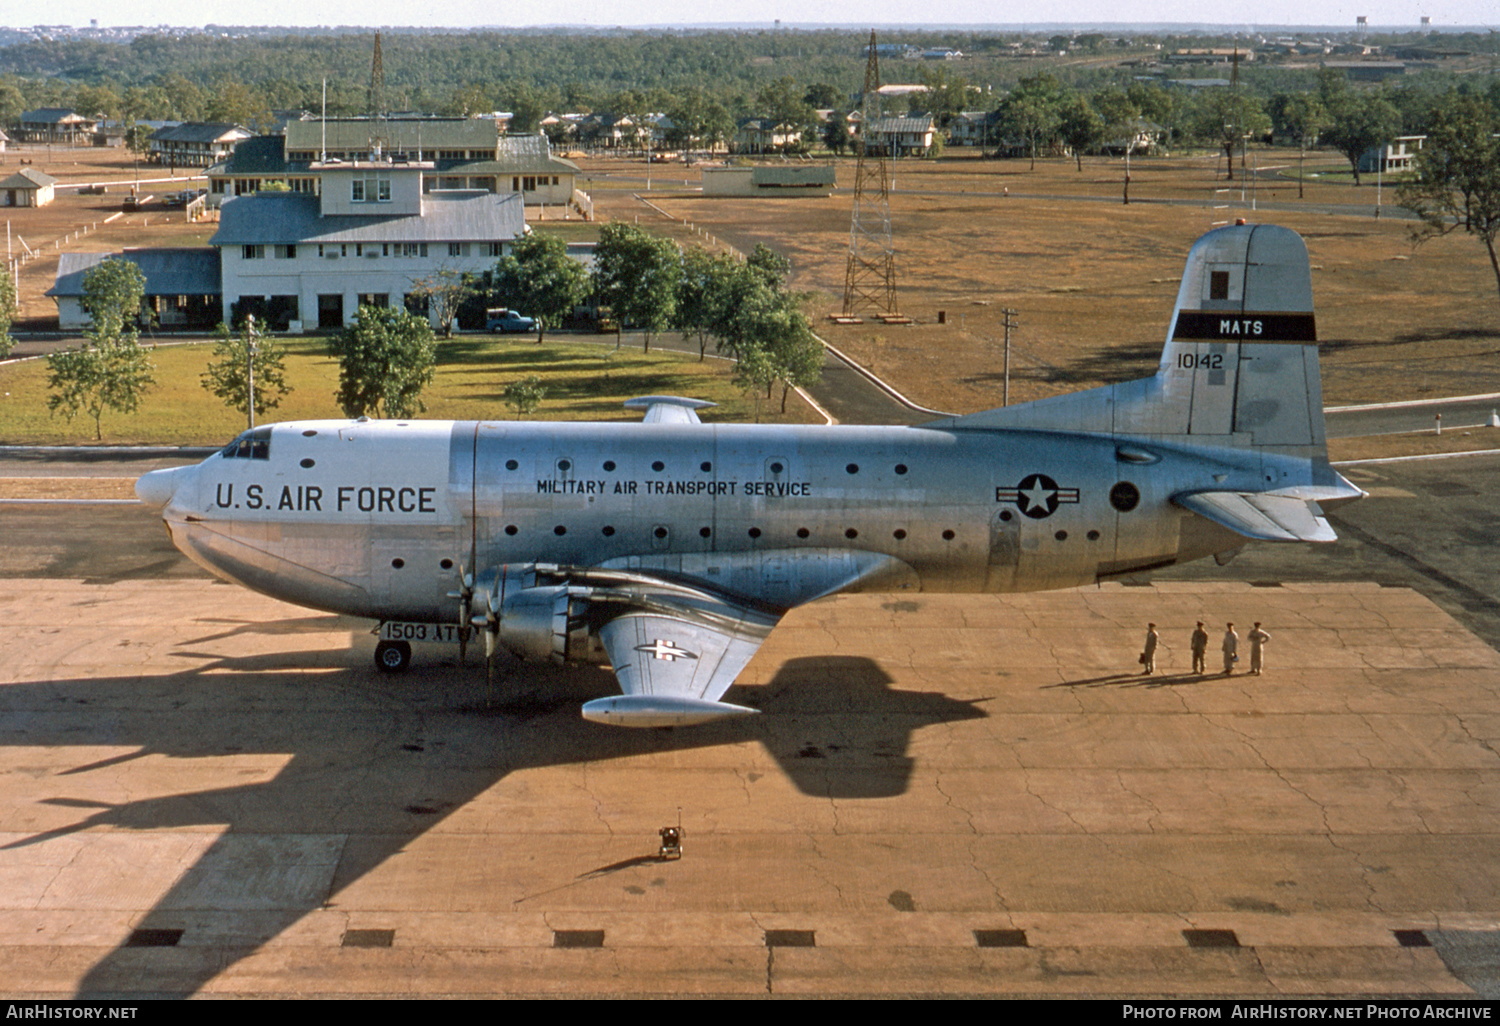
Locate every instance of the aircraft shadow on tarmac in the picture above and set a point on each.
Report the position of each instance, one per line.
(431, 739)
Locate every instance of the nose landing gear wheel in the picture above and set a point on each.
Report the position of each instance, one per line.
(392, 656)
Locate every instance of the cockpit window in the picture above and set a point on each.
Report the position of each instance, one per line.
(251, 445)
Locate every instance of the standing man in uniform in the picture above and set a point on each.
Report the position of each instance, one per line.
(1200, 648)
(1231, 648)
(1148, 654)
(1258, 639)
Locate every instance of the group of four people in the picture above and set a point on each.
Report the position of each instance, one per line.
(1199, 645)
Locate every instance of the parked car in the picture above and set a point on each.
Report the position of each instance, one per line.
(505, 322)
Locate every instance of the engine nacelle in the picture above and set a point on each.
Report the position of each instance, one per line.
(548, 623)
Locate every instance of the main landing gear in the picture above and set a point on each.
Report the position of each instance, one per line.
(392, 656)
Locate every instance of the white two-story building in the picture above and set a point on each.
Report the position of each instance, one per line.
(371, 234)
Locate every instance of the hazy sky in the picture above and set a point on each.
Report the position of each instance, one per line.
(466, 13)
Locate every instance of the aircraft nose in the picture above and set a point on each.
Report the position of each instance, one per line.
(156, 488)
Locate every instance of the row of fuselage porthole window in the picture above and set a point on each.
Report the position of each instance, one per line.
(705, 532)
(564, 466)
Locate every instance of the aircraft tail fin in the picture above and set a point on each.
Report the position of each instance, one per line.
(1241, 356)
(1240, 363)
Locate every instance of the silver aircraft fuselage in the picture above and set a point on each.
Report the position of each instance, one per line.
(371, 518)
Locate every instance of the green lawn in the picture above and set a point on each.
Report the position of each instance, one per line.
(584, 381)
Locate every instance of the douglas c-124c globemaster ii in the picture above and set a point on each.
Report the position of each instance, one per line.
(670, 549)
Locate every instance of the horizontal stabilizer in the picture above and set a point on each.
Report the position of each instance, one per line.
(1262, 516)
(659, 711)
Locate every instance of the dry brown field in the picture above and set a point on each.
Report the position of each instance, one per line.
(78, 223)
(1092, 280)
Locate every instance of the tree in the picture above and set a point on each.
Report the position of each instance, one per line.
(1229, 117)
(137, 137)
(1302, 116)
(1154, 103)
(233, 102)
(836, 132)
(112, 294)
(247, 360)
(635, 275)
(8, 311)
(1031, 111)
(796, 355)
(539, 278)
(1356, 121)
(747, 307)
(1080, 126)
(694, 310)
(386, 357)
(445, 291)
(111, 370)
(524, 396)
(698, 122)
(789, 113)
(1458, 175)
(823, 96)
(946, 96)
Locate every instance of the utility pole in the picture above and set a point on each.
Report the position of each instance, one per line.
(250, 353)
(1010, 324)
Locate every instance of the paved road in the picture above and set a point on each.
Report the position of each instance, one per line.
(1398, 418)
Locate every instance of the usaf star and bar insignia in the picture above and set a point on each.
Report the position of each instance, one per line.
(1037, 496)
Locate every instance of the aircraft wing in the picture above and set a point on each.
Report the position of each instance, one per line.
(675, 644)
(1262, 516)
(676, 627)
(671, 669)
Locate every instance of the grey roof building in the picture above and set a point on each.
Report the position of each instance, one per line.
(284, 218)
(371, 237)
(456, 153)
(196, 143)
(182, 285)
(56, 124)
(28, 187)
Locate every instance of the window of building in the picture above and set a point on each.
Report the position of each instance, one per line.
(286, 252)
(370, 189)
(256, 252)
(494, 249)
(458, 249)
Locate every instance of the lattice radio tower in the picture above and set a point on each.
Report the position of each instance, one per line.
(376, 98)
(870, 276)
